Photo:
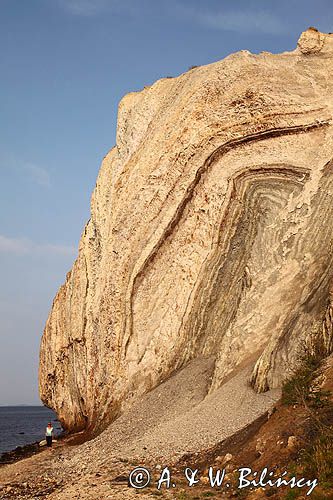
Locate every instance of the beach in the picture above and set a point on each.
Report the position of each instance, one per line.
(24, 425)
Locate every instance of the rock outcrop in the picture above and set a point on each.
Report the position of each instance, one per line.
(210, 235)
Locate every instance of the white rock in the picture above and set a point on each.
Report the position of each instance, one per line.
(219, 184)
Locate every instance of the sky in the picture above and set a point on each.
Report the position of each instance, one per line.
(64, 66)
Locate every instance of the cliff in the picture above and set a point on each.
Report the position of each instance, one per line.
(210, 236)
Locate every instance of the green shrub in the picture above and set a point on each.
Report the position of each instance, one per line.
(304, 388)
(304, 385)
(317, 458)
(292, 494)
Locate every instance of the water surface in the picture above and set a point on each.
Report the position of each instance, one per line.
(20, 425)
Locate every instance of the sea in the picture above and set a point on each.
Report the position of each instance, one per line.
(21, 425)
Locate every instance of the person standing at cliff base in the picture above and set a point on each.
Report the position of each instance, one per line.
(49, 434)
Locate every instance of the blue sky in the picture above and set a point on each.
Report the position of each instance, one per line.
(64, 66)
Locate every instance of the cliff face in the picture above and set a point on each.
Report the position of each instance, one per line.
(210, 235)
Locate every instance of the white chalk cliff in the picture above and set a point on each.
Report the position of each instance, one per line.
(210, 235)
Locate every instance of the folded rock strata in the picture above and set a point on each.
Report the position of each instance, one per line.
(210, 235)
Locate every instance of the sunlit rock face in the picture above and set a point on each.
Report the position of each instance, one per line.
(210, 235)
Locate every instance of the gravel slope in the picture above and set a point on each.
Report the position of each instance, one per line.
(179, 416)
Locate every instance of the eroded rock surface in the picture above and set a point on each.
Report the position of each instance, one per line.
(210, 235)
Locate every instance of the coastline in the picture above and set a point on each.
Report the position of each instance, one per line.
(20, 452)
(26, 451)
